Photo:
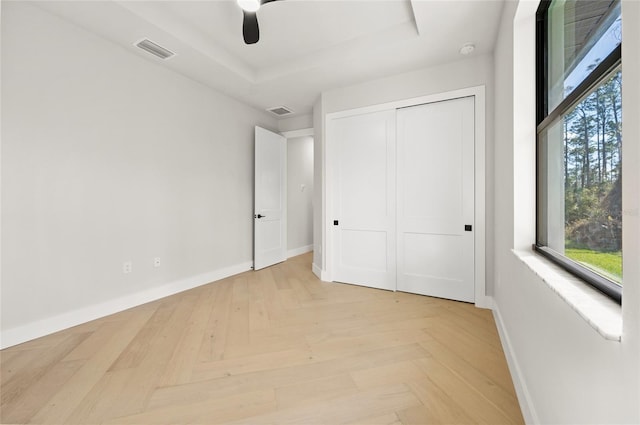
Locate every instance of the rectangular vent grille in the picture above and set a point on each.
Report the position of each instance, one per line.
(280, 111)
(154, 49)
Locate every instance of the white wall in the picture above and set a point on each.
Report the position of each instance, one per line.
(299, 195)
(299, 122)
(471, 72)
(566, 371)
(108, 157)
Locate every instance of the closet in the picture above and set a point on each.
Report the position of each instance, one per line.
(402, 213)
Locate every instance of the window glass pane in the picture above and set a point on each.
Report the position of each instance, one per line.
(580, 184)
(581, 33)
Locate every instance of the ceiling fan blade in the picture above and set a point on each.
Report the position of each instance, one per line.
(266, 1)
(250, 30)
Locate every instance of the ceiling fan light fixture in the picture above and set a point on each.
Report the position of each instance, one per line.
(249, 5)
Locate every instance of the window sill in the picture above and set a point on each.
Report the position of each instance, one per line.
(602, 313)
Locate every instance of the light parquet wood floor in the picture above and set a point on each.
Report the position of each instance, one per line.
(276, 346)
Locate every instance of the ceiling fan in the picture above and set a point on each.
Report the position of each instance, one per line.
(250, 29)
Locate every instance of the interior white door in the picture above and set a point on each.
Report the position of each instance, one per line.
(436, 199)
(363, 221)
(270, 203)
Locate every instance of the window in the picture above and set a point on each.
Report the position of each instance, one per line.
(579, 143)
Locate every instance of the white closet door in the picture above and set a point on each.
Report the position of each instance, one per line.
(436, 199)
(363, 221)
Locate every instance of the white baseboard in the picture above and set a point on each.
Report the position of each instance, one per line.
(524, 397)
(299, 251)
(321, 274)
(484, 302)
(47, 326)
(316, 270)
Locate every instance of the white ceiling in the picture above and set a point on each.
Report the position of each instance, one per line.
(305, 47)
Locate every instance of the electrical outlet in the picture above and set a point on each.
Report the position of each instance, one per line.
(127, 267)
(156, 262)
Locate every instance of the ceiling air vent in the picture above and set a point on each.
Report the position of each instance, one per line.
(280, 111)
(154, 49)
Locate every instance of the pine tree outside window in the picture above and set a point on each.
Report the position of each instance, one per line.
(579, 144)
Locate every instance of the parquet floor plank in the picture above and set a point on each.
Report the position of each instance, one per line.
(274, 346)
(355, 407)
(470, 400)
(437, 407)
(312, 391)
(215, 336)
(22, 410)
(31, 373)
(478, 378)
(180, 366)
(59, 407)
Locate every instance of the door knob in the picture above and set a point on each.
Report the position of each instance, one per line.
(259, 216)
